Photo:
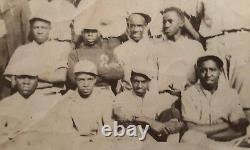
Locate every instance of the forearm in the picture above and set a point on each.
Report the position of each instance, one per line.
(209, 129)
(227, 135)
(174, 126)
(191, 29)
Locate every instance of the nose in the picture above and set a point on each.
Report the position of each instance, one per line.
(39, 31)
(85, 84)
(137, 28)
(167, 24)
(26, 80)
(208, 73)
(140, 84)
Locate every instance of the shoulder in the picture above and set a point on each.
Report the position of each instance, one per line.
(26, 47)
(193, 43)
(191, 93)
(123, 97)
(8, 101)
(120, 49)
(111, 42)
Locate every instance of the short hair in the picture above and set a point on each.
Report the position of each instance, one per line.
(178, 11)
(216, 59)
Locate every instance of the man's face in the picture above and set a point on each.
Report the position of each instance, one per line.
(172, 23)
(40, 30)
(140, 85)
(136, 25)
(209, 74)
(85, 83)
(26, 85)
(90, 36)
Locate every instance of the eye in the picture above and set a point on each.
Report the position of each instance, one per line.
(170, 20)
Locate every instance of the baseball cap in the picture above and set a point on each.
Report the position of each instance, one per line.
(85, 66)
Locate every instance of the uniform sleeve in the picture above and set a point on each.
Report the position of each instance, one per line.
(63, 59)
(236, 109)
(17, 55)
(189, 112)
(107, 111)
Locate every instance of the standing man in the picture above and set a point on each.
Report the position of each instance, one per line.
(14, 29)
(49, 55)
(176, 54)
(16, 15)
(210, 108)
(138, 48)
(135, 107)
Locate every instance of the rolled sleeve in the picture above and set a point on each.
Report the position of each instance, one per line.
(189, 112)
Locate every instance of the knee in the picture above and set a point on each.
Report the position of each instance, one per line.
(193, 137)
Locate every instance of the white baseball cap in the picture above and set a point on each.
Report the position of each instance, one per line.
(85, 66)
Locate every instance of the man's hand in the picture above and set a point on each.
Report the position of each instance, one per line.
(173, 126)
(158, 126)
(155, 125)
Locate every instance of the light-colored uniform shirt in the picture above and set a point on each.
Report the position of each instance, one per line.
(201, 107)
(151, 105)
(216, 15)
(130, 53)
(128, 104)
(177, 62)
(18, 114)
(48, 57)
(85, 115)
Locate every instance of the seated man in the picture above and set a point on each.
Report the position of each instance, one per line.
(144, 106)
(22, 110)
(87, 108)
(210, 108)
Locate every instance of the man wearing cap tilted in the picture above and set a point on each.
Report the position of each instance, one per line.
(50, 56)
(143, 105)
(22, 110)
(211, 108)
(92, 47)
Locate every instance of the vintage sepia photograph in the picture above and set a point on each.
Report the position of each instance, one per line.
(124, 74)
